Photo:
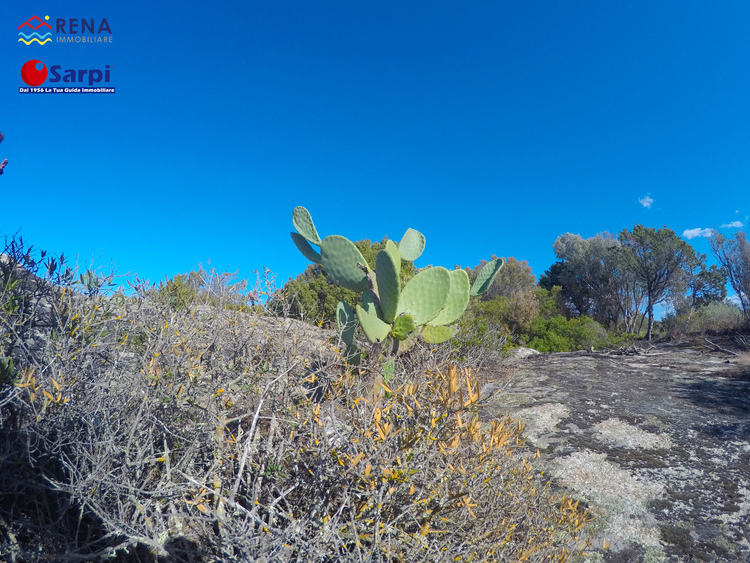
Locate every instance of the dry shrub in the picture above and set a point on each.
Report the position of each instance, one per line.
(140, 431)
(421, 478)
(717, 317)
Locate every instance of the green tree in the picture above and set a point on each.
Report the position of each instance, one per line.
(658, 259)
(312, 298)
(734, 256)
(699, 287)
(595, 280)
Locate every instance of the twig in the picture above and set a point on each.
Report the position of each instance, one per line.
(251, 434)
(719, 348)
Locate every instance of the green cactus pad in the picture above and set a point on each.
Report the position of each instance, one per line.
(403, 326)
(412, 245)
(340, 257)
(436, 334)
(458, 299)
(392, 249)
(303, 222)
(304, 247)
(486, 276)
(353, 356)
(425, 294)
(375, 330)
(387, 274)
(345, 322)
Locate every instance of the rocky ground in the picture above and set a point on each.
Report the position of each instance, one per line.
(657, 443)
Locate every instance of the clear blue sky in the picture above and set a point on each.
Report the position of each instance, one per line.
(492, 127)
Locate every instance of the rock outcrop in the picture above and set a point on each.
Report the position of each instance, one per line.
(656, 443)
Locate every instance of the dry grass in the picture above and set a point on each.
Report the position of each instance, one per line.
(166, 425)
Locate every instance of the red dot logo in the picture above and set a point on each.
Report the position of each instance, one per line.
(32, 75)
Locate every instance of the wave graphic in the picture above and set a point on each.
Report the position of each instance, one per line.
(35, 34)
(35, 39)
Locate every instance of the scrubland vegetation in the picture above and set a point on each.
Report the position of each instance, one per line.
(200, 419)
(185, 421)
(600, 293)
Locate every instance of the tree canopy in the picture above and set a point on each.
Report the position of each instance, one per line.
(616, 281)
(658, 259)
(734, 256)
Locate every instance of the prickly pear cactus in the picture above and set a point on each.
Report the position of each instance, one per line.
(412, 245)
(486, 276)
(425, 295)
(341, 260)
(303, 222)
(431, 300)
(345, 321)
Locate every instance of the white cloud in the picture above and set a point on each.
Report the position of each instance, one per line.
(646, 201)
(692, 233)
(733, 225)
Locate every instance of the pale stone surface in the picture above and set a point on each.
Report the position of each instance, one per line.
(657, 444)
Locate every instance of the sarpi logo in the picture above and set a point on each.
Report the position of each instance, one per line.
(34, 73)
(28, 31)
(71, 30)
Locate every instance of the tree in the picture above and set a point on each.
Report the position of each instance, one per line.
(512, 280)
(699, 287)
(312, 298)
(657, 259)
(594, 279)
(734, 256)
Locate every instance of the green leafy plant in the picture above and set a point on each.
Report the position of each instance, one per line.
(559, 334)
(8, 373)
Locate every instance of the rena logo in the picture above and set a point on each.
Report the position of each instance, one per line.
(34, 73)
(33, 25)
(71, 30)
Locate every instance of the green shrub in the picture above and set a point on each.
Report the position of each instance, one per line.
(716, 317)
(480, 341)
(559, 334)
(515, 313)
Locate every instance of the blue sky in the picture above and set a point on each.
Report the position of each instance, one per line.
(492, 127)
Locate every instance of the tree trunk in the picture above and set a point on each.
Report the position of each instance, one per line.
(650, 318)
(640, 325)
